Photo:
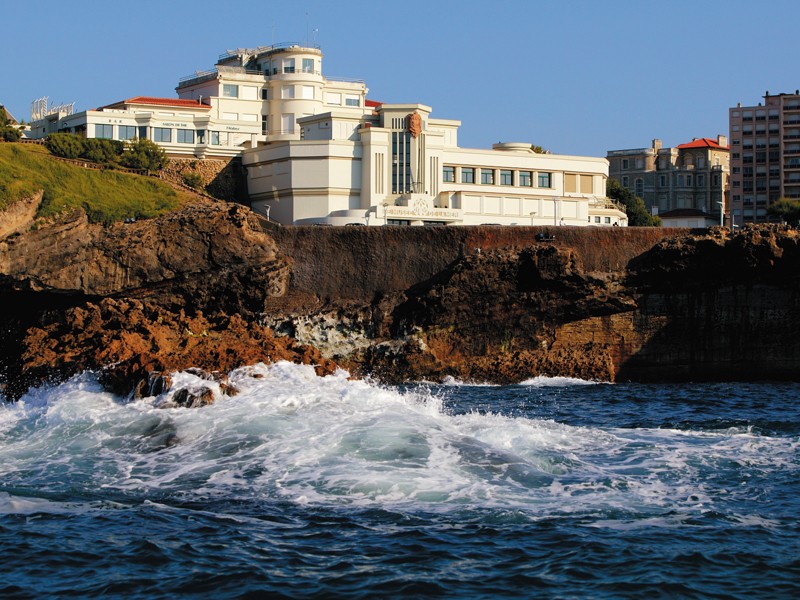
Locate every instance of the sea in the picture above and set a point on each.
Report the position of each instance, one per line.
(310, 487)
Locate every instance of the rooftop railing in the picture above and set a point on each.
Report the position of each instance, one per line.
(263, 49)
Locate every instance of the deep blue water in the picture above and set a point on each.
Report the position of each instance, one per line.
(307, 487)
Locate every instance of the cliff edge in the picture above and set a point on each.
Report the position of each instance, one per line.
(210, 287)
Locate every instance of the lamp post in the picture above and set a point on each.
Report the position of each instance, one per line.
(533, 214)
(721, 213)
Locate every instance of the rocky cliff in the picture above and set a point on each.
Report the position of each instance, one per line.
(213, 287)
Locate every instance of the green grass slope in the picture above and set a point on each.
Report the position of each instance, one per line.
(106, 196)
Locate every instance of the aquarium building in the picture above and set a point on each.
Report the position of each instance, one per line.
(317, 151)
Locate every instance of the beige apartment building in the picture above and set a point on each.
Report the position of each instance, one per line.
(688, 181)
(765, 155)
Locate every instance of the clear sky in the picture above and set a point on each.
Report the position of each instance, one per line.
(577, 77)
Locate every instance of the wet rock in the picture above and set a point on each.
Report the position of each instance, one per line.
(193, 398)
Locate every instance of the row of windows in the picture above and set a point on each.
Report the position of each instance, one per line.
(501, 176)
(157, 134)
(287, 65)
(681, 180)
(290, 92)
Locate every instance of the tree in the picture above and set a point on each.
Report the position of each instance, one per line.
(144, 154)
(538, 149)
(786, 209)
(634, 206)
(8, 132)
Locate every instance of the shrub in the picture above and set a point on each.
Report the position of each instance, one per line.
(193, 180)
(144, 154)
(102, 151)
(65, 145)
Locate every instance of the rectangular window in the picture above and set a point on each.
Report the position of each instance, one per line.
(608, 219)
(264, 93)
(544, 180)
(333, 98)
(487, 176)
(215, 138)
(127, 132)
(287, 92)
(308, 65)
(506, 177)
(230, 116)
(307, 92)
(625, 181)
(597, 219)
(448, 174)
(587, 184)
(185, 136)
(467, 175)
(162, 134)
(265, 67)
(105, 132)
(351, 100)
(662, 180)
(230, 91)
(287, 123)
(288, 65)
(625, 163)
(570, 183)
(701, 180)
(688, 180)
(525, 179)
(264, 127)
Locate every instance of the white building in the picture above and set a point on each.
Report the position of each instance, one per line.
(318, 152)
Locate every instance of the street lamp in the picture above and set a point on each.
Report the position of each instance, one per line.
(533, 214)
(385, 210)
(721, 213)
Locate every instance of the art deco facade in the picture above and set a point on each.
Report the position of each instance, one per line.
(765, 155)
(317, 151)
(690, 179)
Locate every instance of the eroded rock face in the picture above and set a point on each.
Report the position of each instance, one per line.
(73, 256)
(180, 291)
(208, 288)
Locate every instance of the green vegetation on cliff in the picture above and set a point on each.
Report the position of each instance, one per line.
(136, 154)
(106, 196)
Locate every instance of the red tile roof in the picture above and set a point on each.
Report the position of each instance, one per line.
(152, 101)
(703, 143)
(372, 103)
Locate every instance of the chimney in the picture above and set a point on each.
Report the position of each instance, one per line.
(657, 144)
(722, 140)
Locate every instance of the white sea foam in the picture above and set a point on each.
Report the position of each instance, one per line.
(292, 435)
(545, 381)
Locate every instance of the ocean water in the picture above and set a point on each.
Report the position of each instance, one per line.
(327, 487)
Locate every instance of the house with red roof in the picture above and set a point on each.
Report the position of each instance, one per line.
(687, 185)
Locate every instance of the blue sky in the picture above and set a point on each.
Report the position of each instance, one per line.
(577, 77)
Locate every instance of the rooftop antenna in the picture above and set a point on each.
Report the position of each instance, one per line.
(306, 29)
(273, 35)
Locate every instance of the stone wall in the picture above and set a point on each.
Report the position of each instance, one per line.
(221, 178)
